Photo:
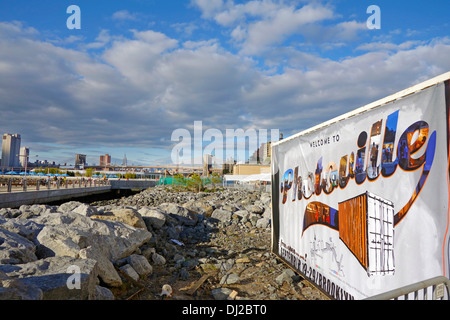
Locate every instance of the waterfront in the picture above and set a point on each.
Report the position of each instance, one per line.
(207, 246)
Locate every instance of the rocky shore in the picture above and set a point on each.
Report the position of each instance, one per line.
(202, 246)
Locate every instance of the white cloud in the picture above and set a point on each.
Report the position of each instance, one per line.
(137, 90)
(124, 15)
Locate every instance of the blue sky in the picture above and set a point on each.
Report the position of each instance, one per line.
(137, 70)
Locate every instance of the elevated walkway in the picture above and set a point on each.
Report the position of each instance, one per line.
(14, 193)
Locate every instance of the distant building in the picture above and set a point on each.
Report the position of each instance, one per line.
(248, 169)
(263, 154)
(207, 164)
(80, 161)
(11, 150)
(24, 156)
(124, 162)
(105, 160)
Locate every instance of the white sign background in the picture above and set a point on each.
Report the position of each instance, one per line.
(420, 237)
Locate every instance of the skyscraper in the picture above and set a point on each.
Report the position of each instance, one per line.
(24, 156)
(10, 150)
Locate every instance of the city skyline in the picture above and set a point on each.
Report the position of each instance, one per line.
(136, 71)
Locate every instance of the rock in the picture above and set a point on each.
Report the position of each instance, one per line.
(127, 215)
(263, 223)
(68, 206)
(231, 278)
(15, 249)
(85, 210)
(140, 264)
(223, 216)
(153, 216)
(130, 272)
(286, 276)
(14, 289)
(158, 259)
(221, 293)
(183, 215)
(55, 277)
(106, 270)
(67, 234)
(25, 228)
(102, 293)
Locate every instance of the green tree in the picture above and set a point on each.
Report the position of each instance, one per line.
(179, 179)
(195, 182)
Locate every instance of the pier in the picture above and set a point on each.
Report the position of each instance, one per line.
(17, 192)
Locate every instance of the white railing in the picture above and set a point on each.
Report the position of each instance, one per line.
(432, 289)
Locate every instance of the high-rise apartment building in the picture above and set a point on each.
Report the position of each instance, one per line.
(80, 161)
(24, 156)
(10, 150)
(105, 160)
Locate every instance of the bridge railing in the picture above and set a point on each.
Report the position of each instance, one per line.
(23, 184)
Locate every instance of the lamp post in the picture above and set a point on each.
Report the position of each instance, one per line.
(26, 161)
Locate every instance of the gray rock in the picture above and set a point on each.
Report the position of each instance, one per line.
(231, 278)
(140, 264)
(158, 259)
(15, 249)
(14, 289)
(106, 270)
(85, 210)
(102, 293)
(222, 215)
(263, 223)
(130, 272)
(54, 276)
(286, 276)
(221, 293)
(183, 215)
(153, 216)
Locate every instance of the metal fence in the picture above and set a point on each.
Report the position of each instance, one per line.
(433, 289)
(19, 185)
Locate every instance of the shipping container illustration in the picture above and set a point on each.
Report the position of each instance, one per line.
(366, 226)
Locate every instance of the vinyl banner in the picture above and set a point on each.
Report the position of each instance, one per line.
(360, 205)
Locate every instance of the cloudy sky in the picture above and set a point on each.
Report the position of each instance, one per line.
(139, 69)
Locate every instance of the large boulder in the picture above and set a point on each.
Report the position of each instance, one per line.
(126, 215)
(15, 249)
(153, 217)
(65, 234)
(58, 277)
(183, 215)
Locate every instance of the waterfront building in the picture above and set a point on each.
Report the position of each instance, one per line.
(10, 150)
(80, 161)
(105, 160)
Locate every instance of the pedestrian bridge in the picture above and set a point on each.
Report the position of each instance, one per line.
(17, 192)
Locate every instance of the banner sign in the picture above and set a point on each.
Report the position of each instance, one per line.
(360, 205)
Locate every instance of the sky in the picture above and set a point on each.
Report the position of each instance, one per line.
(138, 70)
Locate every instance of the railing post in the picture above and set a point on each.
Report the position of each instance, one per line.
(24, 185)
(37, 184)
(9, 185)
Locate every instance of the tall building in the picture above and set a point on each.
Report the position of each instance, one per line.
(80, 161)
(124, 162)
(11, 150)
(207, 164)
(24, 156)
(105, 160)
